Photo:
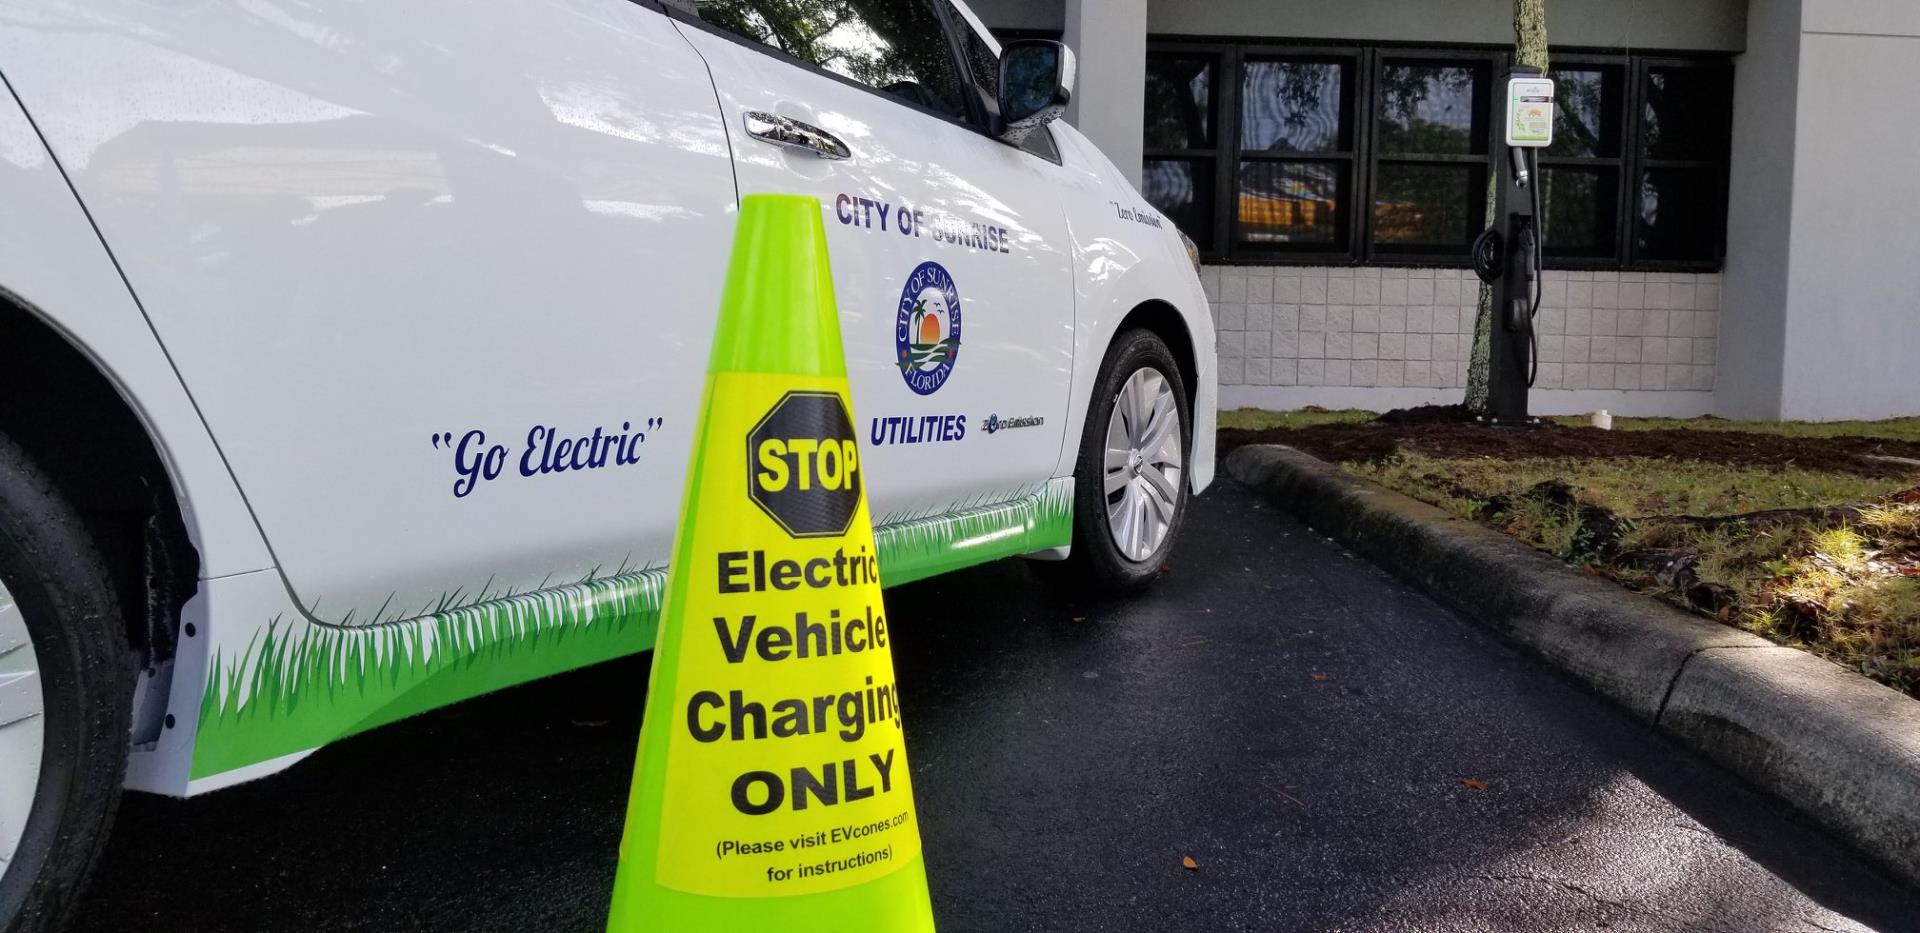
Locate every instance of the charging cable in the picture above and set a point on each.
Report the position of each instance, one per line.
(1539, 265)
(1526, 172)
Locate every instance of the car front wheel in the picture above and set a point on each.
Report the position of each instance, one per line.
(1130, 484)
(65, 700)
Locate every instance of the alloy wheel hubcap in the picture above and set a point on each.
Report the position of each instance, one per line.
(22, 727)
(1144, 464)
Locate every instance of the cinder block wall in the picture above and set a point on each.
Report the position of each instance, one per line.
(1396, 328)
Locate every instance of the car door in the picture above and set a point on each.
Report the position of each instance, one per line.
(949, 248)
(440, 276)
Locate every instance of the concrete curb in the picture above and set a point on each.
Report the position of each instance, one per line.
(1840, 747)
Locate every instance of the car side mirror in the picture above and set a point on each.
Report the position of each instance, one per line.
(1036, 81)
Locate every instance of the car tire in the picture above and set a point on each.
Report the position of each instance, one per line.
(1149, 472)
(60, 630)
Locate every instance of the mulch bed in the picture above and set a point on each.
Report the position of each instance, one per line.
(1447, 432)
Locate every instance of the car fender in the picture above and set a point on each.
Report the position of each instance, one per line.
(53, 262)
(54, 265)
(1129, 260)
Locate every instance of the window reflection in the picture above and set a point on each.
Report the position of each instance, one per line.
(1580, 210)
(1679, 215)
(1580, 181)
(1636, 176)
(1586, 118)
(1179, 102)
(899, 48)
(981, 59)
(1182, 189)
(1291, 203)
(1431, 109)
(1430, 206)
(1293, 106)
(1685, 115)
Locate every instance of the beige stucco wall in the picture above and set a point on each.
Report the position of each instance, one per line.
(1821, 271)
(1852, 341)
(1760, 212)
(1641, 343)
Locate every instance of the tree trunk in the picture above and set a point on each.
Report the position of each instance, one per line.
(1529, 48)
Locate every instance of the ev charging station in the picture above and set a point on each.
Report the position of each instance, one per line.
(1509, 255)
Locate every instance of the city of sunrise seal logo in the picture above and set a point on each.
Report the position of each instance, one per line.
(926, 328)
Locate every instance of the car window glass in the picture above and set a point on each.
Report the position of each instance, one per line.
(894, 46)
(980, 59)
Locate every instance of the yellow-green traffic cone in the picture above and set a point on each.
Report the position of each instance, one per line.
(771, 791)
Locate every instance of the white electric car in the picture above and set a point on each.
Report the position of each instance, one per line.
(350, 351)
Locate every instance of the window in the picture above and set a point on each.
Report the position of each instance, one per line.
(1295, 164)
(894, 46)
(1430, 162)
(1321, 154)
(1181, 142)
(981, 60)
(1679, 202)
(984, 63)
(1580, 173)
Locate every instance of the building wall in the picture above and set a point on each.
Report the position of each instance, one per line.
(1026, 15)
(1385, 337)
(1381, 337)
(1821, 288)
(1702, 25)
(1112, 84)
(1760, 212)
(1705, 25)
(1863, 17)
(1852, 341)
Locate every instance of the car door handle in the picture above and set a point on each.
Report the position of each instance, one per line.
(793, 134)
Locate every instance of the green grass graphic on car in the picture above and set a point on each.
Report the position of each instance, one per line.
(297, 686)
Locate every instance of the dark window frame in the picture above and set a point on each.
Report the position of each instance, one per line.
(1620, 165)
(1372, 252)
(1643, 163)
(1218, 98)
(1357, 91)
(1230, 55)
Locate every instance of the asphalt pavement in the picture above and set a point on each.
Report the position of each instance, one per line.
(1332, 750)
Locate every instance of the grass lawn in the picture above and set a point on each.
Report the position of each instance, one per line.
(1908, 429)
(1255, 419)
(1826, 559)
(1630, 487)
(1905, 429)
